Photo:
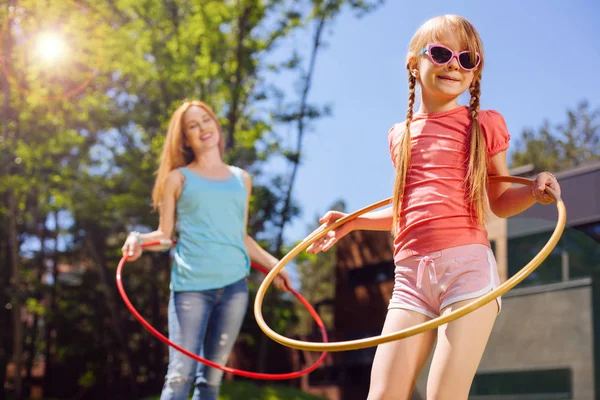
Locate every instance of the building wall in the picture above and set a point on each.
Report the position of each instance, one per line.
(547, 329)
(497, 234)
(581, 196)
(361, 298)
(364, 282)
(543, 328)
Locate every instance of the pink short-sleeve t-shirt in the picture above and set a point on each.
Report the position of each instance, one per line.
(435, 214)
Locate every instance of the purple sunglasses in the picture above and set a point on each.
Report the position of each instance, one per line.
(441, 55)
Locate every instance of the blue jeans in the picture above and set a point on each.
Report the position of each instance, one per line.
(206, 323)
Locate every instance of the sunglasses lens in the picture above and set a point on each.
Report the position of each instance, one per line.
(440, 55)
(468, 62)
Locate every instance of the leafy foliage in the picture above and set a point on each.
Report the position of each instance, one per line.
(81, 136)
(562, 146)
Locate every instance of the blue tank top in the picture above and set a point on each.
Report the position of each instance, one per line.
(210, 251)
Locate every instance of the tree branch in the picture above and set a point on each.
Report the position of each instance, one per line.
(240, 54)
(316, 44)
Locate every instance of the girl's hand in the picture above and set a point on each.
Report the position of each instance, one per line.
(282, 281)
(132, 247)
(328, 240)
(543, 180)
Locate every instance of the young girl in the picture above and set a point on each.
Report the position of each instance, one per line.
(209, 292)
(443, 155)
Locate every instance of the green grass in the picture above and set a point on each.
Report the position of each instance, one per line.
(249, 391)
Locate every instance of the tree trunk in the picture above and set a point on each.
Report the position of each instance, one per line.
(116, 324)
(5, 315)
(237, 85)
(16, 294)
(53, 311)
(31, 348)
(13, 237)
(13, 243)
(300, 130)
(262, 355)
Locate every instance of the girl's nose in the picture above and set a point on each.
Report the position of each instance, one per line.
(453, 64)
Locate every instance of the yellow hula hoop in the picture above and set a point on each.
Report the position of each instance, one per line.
(431, 324)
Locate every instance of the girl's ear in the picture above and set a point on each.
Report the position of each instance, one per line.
(412, 67)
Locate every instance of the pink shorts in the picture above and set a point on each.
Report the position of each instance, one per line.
(428, 284)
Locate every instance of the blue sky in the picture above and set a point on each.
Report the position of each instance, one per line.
(542, 57)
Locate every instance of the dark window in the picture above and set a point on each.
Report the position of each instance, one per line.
(361, 356)
(578, 246)
(325, 376)
(355, 375)
(542, 384)
(592, 230)
(371, 274)
(358, 375)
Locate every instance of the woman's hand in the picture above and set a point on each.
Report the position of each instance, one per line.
(132, 247)
(282, 281)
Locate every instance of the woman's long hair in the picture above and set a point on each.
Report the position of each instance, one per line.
(175, 152)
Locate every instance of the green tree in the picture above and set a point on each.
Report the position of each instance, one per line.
(79, 145)
(562, 146)
(301, 112)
